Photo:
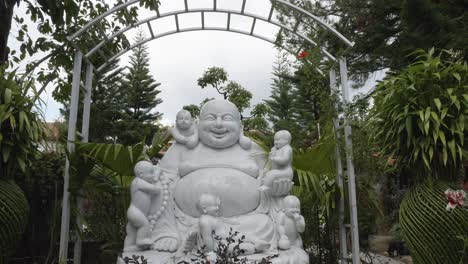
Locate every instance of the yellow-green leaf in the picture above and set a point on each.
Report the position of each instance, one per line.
(442, 137)
(7, 96)
(409, 127)
(444, 155)
(22, 117)
(452, 148)
(438, 103)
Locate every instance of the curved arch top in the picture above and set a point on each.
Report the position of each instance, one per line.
(294, 31)
(121, 53)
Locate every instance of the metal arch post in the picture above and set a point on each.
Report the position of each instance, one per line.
(85, 136)
(350, 166)
(87, 102)
(74, 100)
(339, 176)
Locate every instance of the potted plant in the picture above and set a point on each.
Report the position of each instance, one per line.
(21, 131)
(419, 118)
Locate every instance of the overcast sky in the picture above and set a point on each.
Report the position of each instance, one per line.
(177, 61)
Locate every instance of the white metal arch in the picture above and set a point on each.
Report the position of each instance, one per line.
(272, 8)
(121, 53)
(90, 69)
(202, 12)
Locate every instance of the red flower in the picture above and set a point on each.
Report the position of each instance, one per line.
(455, 198)
(303, 54)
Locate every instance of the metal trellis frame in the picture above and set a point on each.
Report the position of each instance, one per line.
(88, 56)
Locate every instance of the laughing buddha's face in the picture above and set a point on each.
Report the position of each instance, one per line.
(219, 124)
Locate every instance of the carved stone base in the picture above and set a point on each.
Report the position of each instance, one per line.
(294, 255)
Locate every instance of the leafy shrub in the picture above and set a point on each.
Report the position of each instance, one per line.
(420, 115)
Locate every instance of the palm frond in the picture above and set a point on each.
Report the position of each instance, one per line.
(118, 158)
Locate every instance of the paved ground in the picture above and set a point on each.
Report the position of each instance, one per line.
(380, 259)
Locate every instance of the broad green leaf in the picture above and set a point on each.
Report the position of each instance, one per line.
(6, 150)
(444, 113)
(115, 157)
(444, 155)
(438, 103)
(22, 117)
(421, 115)
(457, 76)
(13, 122)
(7, 96)
(428, 112)
(409, 127)
(453, 150)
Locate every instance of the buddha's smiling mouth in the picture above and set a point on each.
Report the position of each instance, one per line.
(219, 134)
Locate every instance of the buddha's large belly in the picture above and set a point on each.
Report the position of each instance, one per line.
(238, 191)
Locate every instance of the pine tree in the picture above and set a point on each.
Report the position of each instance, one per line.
(106, 107)
(311, 93)
(281, 102)
(139, 98)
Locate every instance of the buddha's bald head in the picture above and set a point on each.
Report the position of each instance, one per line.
(220, 106)
(220, 124)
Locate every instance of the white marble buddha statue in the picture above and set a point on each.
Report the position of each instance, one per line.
(227, 165)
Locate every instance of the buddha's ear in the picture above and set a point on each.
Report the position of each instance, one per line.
(244, 142)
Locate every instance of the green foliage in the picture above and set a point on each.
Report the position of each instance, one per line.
(385, 30)
(160, 141)
(43, 187)
(21, 126)
(14, 211)
(297, 101)
(106, 108)
(193, 109)
(55, 21)
(118, 158)
(420, 115)
(281, 101)
(430, 231)
(106, 188)
(139, 97)
(216, 77)
(108, 199)
(232, 91)
(257, 119)
(316, 173)
(238, 95)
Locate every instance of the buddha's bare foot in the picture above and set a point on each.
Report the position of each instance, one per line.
(168, 244)
(130, 248)
(144, 242)
(261, 245)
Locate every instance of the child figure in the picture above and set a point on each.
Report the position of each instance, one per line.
(141, 190)
(185, 132)
(211, 225)
(281, 158)
(290, 223)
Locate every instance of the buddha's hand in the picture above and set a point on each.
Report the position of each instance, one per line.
(281, 187)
